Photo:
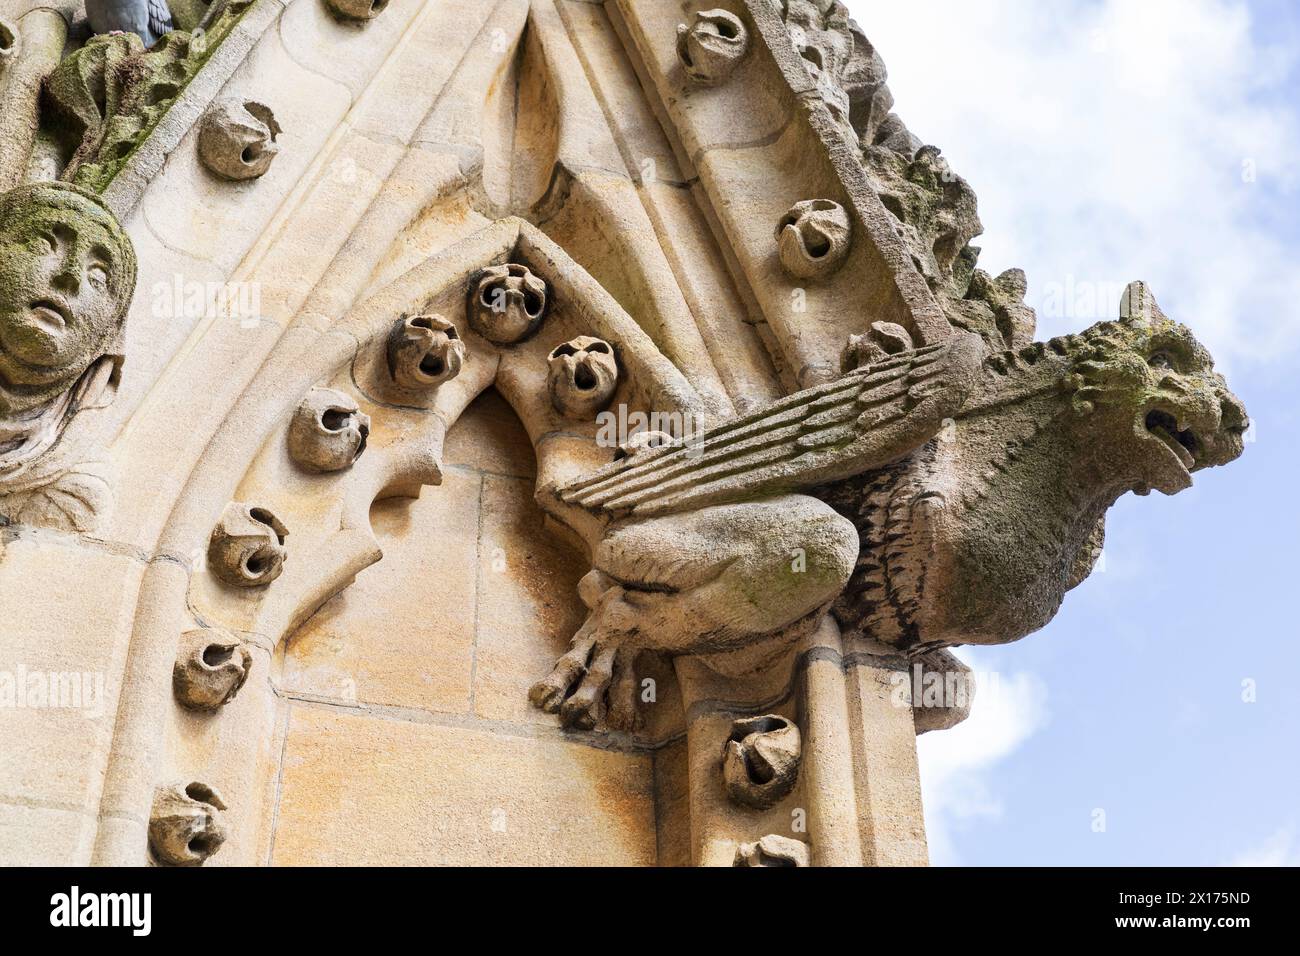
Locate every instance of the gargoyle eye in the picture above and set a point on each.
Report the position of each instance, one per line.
(563, 350)
(599, 348)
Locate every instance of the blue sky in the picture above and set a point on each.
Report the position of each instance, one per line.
(1112, 141)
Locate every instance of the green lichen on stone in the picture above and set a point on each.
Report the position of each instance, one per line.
(109, 96)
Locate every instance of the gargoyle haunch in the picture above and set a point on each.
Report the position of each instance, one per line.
(962, 494)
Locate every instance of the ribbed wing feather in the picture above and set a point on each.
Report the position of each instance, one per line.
(862, 421)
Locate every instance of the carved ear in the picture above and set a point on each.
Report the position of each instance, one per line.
(1138, 306)
(98, 385)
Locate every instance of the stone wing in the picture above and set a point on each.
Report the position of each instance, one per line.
(866, 419)
(160, 18)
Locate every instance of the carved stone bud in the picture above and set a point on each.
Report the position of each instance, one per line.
(328, 431)
(185, 826)
(237, 139)
(582, 376)
(8, 43)
(357, 9)
(210, 669)
(881, 340)
(424, 351)
(772, 850)
(760, 760)
(507, 303)
(813, 238)
(711, 47)
(247, 546)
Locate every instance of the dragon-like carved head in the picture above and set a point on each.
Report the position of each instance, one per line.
(1144, 390)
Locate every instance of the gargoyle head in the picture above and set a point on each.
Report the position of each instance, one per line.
(1148, 401)
(67, 274)
(582, 376)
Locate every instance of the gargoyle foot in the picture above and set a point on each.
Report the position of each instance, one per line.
(597, 666)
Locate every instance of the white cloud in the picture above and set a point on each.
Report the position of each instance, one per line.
(958, 765)
(1280, 849)
(1107, 142)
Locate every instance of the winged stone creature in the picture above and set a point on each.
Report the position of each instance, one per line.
(956, 494)
(150, 20)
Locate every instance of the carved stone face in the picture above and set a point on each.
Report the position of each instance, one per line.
(67, 273)
(507, 303)
(246, 548)
(211, 668)
(582, 377)
(1150, 405)
(328, 431)
(424, 351)
(813, 238)
(358, 9)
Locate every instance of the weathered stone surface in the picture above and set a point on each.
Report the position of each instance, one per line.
(675, 377)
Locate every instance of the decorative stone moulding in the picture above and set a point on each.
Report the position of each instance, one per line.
(772, 850)
(582, 376)
(711, 46)
(507, 303)
(211, 667)
(760, 760)
(237, 139)
(357, 10)
(247, 546)
(185, 826)
(424, 351)
(328, 432)
(813, 238)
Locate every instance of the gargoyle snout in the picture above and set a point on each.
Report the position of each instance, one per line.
(1229, 440)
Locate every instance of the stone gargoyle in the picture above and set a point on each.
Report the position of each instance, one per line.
(959, 494)
(67, 275)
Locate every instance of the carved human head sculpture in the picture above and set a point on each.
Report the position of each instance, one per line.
(1147, 401)
(67, 274)
(712, 46)
(507, 303)
(582, 376)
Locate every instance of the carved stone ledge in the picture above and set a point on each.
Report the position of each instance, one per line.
(246, 549)
(760, 760)
(211, 667)
(185, 825)
(328, 432)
